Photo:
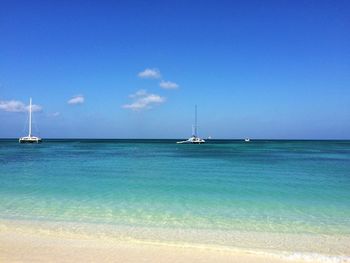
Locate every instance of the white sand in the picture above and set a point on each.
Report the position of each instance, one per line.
(17, 246)
(28, 241)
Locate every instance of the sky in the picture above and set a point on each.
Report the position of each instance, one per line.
(135, 69)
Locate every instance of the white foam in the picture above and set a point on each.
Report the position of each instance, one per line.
(315, 257)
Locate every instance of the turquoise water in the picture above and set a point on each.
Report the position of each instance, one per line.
(281, 187)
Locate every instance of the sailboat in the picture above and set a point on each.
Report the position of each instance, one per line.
(30, 138)
(194, 139)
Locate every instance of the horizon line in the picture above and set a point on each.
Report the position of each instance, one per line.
(212, 139)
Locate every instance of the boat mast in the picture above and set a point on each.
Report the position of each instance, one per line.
(195, 120)
(30, 118)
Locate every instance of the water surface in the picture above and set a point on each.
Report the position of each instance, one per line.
(276, 188)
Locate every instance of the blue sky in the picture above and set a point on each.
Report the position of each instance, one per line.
(135, 69)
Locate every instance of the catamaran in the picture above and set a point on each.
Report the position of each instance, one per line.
(194, 138)
(30, 138)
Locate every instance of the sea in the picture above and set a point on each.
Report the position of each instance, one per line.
(280, 197)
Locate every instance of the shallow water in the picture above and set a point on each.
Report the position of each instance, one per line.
(278, 188)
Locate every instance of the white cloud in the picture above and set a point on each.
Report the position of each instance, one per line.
(18, 106)
(79, 99)
(143, 100)
(168, 85)
(150, 73)
(55, 114)
(12, 106)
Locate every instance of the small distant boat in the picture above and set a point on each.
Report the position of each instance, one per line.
(194, 139)
(30, 138)
(247, 140)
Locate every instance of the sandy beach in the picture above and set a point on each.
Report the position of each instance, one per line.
(17, 246)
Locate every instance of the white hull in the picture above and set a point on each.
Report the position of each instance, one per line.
(192, 140)
(27, 139)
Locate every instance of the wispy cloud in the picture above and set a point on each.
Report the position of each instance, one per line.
(168, 85)
(17, 106)
(35, 108)
(143, 100)
(79, 99)
(55, 114)
(150, 73)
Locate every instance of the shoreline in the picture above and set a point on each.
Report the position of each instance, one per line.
(23, 241)
(26, 247)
